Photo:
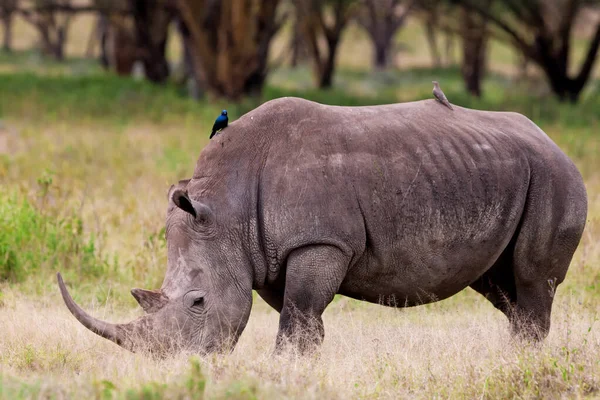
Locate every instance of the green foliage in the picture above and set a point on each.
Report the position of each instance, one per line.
(196, 381)
(94, 97)
(104, 389)
(35, 243)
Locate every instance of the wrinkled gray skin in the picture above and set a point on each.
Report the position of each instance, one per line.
(400, 204)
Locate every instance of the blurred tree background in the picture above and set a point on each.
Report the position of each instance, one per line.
(228, 48)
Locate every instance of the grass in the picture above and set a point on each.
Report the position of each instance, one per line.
(86, 159)
(32, 240)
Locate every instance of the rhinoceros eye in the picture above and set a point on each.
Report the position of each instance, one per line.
(194, 298)
(198, 302)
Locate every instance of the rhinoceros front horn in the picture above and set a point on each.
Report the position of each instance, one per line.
(118, 333)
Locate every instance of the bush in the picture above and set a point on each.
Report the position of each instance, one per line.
(33, 242)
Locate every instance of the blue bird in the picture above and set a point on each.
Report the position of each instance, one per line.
(220, 123)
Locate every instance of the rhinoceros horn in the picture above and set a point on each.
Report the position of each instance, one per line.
(150, 300)
(121, 334)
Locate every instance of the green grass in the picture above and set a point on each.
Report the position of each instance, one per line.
(52, 99)
(37, 238)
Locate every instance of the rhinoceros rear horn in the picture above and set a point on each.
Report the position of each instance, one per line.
(150, 300)
(113, 332)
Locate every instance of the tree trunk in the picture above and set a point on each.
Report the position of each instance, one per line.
(474, 52)
(7, 27)
(326, 73)
(59, 45)
(52, 33)
(299, 52)
(523, 66)
(563, 87)
(152, 21)
(46, 42)
(103, 32)
(449, 50)
(119, 45)
(381, 54)
(194, 85)
(430, 29)
(229, 41)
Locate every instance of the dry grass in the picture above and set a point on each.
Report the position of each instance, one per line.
(439, 351)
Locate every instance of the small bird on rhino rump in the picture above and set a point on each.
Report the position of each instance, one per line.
(440, 96)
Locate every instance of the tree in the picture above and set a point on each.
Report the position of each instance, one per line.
(52, 19)
(543, 31)
(324, 21)
(229, 41)
(131, 31)
(474, 34)
(187, 76)
(118, 47)
(382, 19)
(152, 19)
(298, 45)
(7, 9)
(430, 24)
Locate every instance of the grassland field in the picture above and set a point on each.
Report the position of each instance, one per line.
(86, 159)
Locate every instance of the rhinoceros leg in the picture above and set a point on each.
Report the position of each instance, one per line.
(498, 283)
(523, 281)
(272, 298)
(537, 258)
(551, 229)
(313, 277)
(538, 272)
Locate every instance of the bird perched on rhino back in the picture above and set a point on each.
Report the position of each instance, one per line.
(440, 96)
(220, 123)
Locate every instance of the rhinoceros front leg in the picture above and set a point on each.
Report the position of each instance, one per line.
(313, 277)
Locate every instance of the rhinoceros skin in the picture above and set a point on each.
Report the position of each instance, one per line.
(401, 205)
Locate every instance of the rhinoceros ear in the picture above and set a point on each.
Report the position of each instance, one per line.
(150, 300)
(199, 211)
(183, 201)
(182, 184)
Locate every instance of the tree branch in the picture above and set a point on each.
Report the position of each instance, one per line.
(70, 9)
(518, 39)
(399, 21)
(590, 58)
(564, 32)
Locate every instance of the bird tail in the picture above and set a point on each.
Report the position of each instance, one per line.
(212, 133)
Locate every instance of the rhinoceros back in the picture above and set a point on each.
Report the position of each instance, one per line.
(425, 201)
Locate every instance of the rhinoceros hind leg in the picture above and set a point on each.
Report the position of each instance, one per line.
(523, 281)
(313, 277)
(551, 228)
(498, 284)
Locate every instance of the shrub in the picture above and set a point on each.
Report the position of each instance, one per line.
(34, 242)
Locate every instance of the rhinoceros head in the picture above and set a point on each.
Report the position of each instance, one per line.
(206, 297)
